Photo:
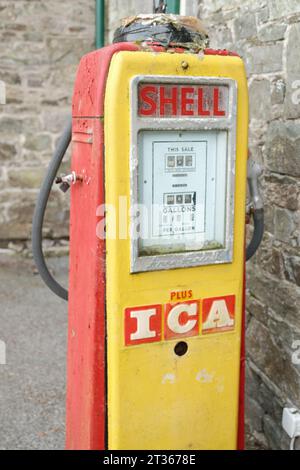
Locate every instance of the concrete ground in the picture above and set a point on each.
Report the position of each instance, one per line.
(33, 324)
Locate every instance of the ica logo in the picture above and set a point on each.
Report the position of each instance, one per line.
(153, 323)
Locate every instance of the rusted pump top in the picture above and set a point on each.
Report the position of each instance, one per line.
(186, 32)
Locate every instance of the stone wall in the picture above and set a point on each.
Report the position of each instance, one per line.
(266, 33)
(41, 42)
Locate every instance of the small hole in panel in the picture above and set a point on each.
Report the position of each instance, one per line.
(181, 348)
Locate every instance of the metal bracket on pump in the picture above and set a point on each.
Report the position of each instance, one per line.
(254, 207)
(254, 170)
(65, 181)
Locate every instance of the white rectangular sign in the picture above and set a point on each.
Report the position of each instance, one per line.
(182, 184)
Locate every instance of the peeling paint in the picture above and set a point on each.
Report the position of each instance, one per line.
(205, 377)
(169, 378)
(220, 385)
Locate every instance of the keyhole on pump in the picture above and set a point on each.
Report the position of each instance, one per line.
(181, 348)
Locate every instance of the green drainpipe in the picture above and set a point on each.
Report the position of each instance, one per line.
(100, 23)
(173, 6)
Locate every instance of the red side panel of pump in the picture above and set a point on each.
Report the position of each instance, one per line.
(241, 424)
(86, 331)
(86, 382)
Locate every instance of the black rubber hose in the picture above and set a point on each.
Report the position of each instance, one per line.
(39, 213)
(258, 220)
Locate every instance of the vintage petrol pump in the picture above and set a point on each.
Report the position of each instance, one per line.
(157, 242)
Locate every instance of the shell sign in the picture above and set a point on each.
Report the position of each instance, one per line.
(153, 323)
